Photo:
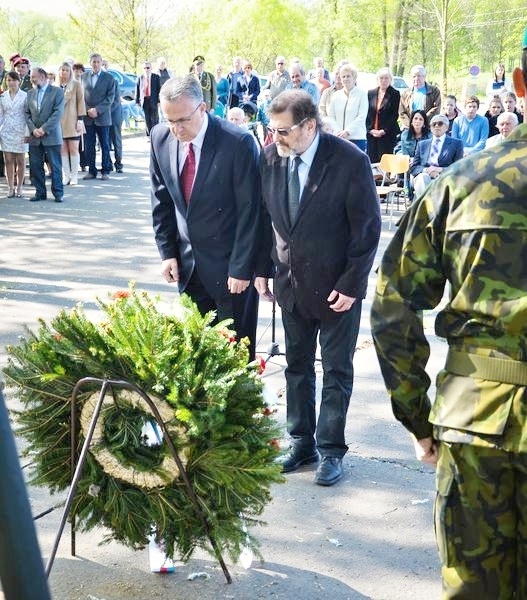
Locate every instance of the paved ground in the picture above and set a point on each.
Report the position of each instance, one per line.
(368, 537)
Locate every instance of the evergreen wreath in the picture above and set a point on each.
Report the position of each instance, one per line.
(209, 397)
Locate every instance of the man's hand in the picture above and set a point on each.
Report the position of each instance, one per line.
(426, 450)
(262, 287)
(341, 303)
(237, 286)
(170, 270)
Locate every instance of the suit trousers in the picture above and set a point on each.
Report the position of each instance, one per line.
(241, 308)
(38, 154)
(337, 333)
(151, 114)
(420, 183)
(103, 134)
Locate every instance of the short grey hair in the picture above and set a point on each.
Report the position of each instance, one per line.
(418, 69)
(441, 118)
(176, 88)
(506, 115)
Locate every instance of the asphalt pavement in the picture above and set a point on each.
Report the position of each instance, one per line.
(370, 536)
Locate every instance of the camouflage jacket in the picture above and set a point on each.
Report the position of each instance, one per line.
(468, 230)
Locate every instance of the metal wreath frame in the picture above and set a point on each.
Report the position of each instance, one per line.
(78, 460)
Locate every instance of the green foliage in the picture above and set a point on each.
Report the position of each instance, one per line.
(363, 31)
(217, 421)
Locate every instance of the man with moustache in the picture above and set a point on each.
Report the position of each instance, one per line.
(321, 226)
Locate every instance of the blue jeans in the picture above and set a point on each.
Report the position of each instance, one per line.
(103, 134)
(38, 153)
(360, 144)
(337, 336)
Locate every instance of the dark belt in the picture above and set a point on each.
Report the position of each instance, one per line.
(504, 370)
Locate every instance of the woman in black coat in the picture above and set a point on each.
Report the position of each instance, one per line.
(382, 124)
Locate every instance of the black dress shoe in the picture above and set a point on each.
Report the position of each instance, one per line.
(58, 199)
(329, 471)
(37, 198)
(296, 458)
(89, 176)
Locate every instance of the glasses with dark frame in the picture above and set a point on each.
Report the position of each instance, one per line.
(285, 131)
(438, 124)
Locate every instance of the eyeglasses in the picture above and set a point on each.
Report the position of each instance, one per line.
(184, 120)
(247, 68)
(438, 124)
(148, 67)
(279, 63)
(285, 131)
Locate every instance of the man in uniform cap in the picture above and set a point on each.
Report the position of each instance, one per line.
(466, 236)
(206, 80)
(21, 65)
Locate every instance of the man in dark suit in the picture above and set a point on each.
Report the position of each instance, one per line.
(321, 225)
(206, 205)
(434, 155)
(147, 95)
(99, 91)
(44, 109)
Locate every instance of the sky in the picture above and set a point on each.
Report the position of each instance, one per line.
(55, 7)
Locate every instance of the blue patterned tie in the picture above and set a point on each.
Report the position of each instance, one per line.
(434, 153)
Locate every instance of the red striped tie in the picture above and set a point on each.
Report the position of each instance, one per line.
(188, 172)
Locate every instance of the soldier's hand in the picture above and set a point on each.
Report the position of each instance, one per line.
(426, 450)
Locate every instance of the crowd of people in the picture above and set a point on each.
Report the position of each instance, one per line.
(228, 216)
(379, 121)
(62, 120)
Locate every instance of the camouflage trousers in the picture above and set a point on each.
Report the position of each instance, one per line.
(481, 522)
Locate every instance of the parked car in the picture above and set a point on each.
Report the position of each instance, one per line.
(126, 81)
(368, 81)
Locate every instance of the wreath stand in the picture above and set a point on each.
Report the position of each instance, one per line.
(78, 460)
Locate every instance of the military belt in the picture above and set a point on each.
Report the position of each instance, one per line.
(504, 370)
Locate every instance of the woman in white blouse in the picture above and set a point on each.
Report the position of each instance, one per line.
(349, 108)
(14, 134)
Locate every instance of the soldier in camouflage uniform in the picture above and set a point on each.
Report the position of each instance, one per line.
(469, 231)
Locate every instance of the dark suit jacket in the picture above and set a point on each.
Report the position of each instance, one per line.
(155, 87)
(48, 117)
(218, 232)
(100, 97)
(451, 151)
(333, 241)
(388, 112)
(252, 88)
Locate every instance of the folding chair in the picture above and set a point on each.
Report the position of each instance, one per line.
(392, 165)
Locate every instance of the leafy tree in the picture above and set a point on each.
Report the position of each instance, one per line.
(124, 31)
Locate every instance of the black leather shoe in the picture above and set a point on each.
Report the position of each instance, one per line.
(89, 176)
(329, 470)
(58, 199)
(296, 458)
(37, 198)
